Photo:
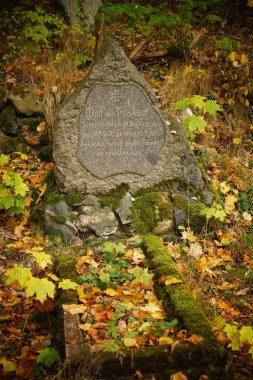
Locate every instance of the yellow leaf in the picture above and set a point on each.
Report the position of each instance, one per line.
(232, 56)
(247, 103)
(111, 292)
(235, 64)
(165, 340)
(172, 281)
(8, 365)
(230, 203)
(237, 140)
(250, 3)
(178, 376)
(54, 89)
(81, 295)
(188, 235)
(41, 126)
(244, 59)
(246, 216)
(129, 342)
(224, 187)
(38, 68)
(74, 309)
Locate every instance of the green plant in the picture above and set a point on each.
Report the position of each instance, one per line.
(196, 124)
(48, 356)
(216, 212)
(12, 189)
(145, 17)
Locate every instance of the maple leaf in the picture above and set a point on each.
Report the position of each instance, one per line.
(40, 287)
(111, 292)
(105, 277)
(48, 356)
(18, 273)
(41, 258)
(189, 235)
(246, 334)
(130, 342)
(4, 159)
(67, 284)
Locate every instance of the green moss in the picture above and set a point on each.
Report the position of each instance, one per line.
(31, 122)
(46, 153)
(113, 198)
(19, 90)
(7, 119)
(3, 90)
(60, 219)
(150, 209)
(74, 197)
(180, 202)
(177, 299)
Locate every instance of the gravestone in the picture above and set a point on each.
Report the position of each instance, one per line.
(110, 132)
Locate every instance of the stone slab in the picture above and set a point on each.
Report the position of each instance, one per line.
(110, 132)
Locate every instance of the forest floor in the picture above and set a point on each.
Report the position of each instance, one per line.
(217, 264)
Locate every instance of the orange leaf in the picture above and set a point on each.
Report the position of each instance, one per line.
(195, 339)
(39, 91)
(178, 376)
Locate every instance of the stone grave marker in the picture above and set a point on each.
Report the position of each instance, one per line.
(110, 132)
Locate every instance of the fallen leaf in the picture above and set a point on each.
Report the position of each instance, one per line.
(130, 342)
(195, 339)
(178, 376)
(165, 340)
(246, 216)
(173, 281)
(74, 309)
(110, 292)
(8, 365)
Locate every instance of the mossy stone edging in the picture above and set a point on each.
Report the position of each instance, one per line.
(210, 358)
(206, 358)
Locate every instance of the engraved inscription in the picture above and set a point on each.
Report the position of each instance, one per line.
(119, 131)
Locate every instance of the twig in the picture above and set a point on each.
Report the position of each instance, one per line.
(136, 51)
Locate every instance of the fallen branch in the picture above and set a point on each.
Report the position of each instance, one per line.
(152, 54)
(136, 51)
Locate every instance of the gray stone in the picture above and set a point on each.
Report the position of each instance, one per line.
(124, 209)
(207, 198)
(101, 221)
(110, 132)
(60, 208)
(66, 230)
(8, 121)
(164, 227)
(88, 8)
(179, 217)
(26, 101)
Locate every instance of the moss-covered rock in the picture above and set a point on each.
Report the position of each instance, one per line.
(46, 153)
(177, 298)
(113, 198)
(192, 211)
(31, 122)
(150, 209)
(11, 144)
(60, 219)
(74, 198)
(8, 121)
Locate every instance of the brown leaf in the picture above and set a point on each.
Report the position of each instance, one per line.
(195, 339)
(178, 376)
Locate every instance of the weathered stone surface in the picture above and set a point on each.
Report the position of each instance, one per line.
(124, 210)
(101, 141)
(26, 101)
(179, 217)
(207, 198)
(57, 222)
(163, 227)
(117, 135)
(100, 221)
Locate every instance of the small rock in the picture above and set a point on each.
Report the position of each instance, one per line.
(8, 121)
(60, 208)
(66, 230)
(101, 221)
(124, 209)
(9, 144)
(26, 101)
(179, 217)
(207, 198)
(163, 227)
